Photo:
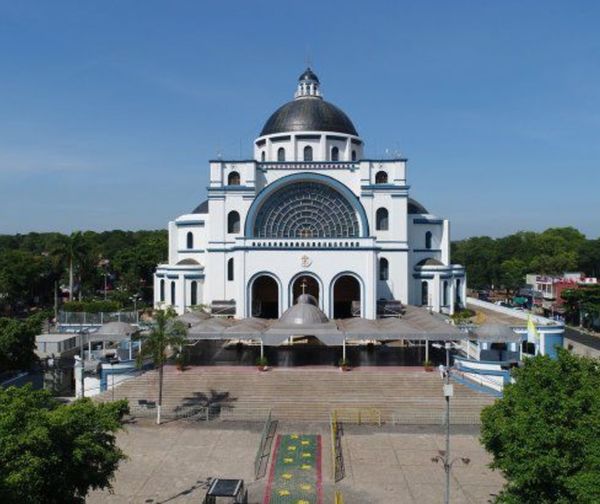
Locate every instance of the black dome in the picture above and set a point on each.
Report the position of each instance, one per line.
(308, 114)
(414, 207)
(308, 74)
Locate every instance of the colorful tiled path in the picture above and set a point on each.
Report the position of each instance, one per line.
(295, 476)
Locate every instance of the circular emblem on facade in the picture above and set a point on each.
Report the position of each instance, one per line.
(305, 261)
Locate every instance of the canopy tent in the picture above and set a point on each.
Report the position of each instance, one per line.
(495, 333)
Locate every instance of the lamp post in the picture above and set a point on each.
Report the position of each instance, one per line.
(82, 334)
(135, 299)
(444, 455)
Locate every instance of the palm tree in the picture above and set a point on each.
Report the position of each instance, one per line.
(165, 335)
(71, 251)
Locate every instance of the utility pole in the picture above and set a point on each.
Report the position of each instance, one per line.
(82, 333)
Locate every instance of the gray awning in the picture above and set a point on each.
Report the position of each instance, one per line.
(495, 333)
(112, 331)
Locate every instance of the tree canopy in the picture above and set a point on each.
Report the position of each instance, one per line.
(52, 453)
(544, 433)
(500, 262)
(17, 342)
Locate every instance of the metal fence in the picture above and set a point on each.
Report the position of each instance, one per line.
(96, 319)
(262, 451)
(196, 413)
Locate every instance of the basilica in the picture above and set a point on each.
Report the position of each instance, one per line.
(309, 214)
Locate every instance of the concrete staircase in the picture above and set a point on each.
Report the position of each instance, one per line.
(404, 395)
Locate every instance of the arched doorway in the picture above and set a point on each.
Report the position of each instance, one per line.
(265, 297)
(306, 284)
(346, 297)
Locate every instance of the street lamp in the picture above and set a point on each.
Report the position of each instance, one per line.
(135, 299)
(444, 455)
(82, 334)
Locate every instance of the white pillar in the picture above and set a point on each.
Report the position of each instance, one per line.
(262, 349)
(344, 348)
(426, 350)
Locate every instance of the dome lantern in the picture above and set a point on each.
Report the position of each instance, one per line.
(308, 85)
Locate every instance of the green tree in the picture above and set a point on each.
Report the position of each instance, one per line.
(166, 337)
(52, 453)
(71, 251)
(544, 434)
(17, 342)
(512, 274)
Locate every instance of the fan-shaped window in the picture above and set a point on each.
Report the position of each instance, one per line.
(384, 269)
(424, 293)
(230, 269)
(263, 156)
(308, 153)
(190, 240)
(172, 293)
(233, 178)
(382, 220)
(281, 154)
(335, 154)
(381, 177)
(194, 293)
(307, 209)
(353, 155)
(233, 222)
(162, 291)
(428, 240)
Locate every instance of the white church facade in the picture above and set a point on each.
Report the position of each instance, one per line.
(309, 213)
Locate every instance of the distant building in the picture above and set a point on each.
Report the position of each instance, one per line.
(549, 288)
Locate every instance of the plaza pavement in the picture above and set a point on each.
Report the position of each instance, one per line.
(390, 464)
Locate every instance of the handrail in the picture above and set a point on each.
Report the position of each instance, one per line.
(261, 447)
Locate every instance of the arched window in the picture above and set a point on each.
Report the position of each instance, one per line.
(428, 240)
(162, 291)
(381, 220)
(233, 178)
(190, 240)
(384, 269)
(263, 156)
(353, 155)
(233, 222)
(194, 293)
(172, 293)
(381, 177)
(445, 297)
(424, 293)
(308, 156)
(230, 269)
(335, 154)
(281, 154)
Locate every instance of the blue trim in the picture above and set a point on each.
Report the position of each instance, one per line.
(193, 277)
(190, 223)
(232, 188)
(265, 193)
(385, 187)
(428, 221)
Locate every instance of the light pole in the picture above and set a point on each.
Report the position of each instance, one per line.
(444, 456)
(82, 333)
(135, 298)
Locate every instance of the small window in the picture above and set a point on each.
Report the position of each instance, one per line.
(230, 270)
(262, 156)
(428, 240)
(335, 154)
(173, 293)
(381, 177)
(233, 222)
(382, 220)
(458, 293)
(424, 294)
(162, 291)
(194, 293)
(353, 155)
(281, 154)
(190, 240)
(308, 153)
(233, 178)
(384, 269)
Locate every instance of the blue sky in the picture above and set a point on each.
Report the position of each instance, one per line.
(109, 111)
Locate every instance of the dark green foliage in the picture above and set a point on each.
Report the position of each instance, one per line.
(31, 264)
(503, 262)
(95, 306)
(583, 302)
(544, 434)
(52, 453)
(17, 342)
